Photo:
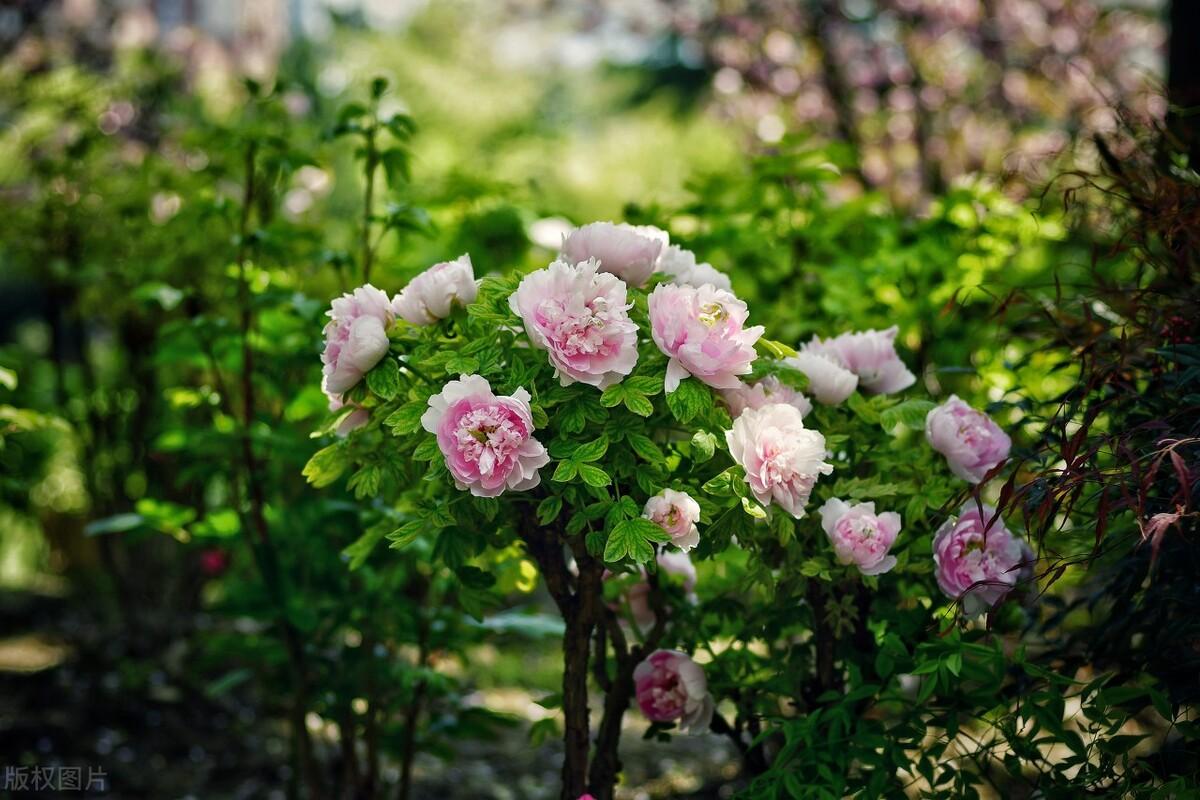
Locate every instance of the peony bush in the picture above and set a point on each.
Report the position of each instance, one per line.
(719, 547)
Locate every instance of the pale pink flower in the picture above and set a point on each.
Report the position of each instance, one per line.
(627, 251)
(976, 566)
(702, 330)
(433, 294)
(828, 380)
(781, 457)
(671, 563)
(671, 687)
(677, 514)
(487, 440)
(355, 337)
(971, 442)
(764, 392)
(680, 266)
(580, 317)
(871, 355)
(860, 536)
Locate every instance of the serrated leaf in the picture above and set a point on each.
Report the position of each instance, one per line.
(612, 396)
(406, 534)
(327, 465)
(549, 509)
(358, 552)
(592, 451)
(638, 404)
(565, 471)
(593, 476)
(634, 538)
(384, 379)
(427, 450)
(689, 399)
(722, 483)
(646, 449)
(407, 418)
(644, 384)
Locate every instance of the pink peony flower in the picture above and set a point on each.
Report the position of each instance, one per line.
(627, 251)
(681, 267)
(828, 379)
(671, 687)
(487, 440)
(677, 514)
(761, 393)
(701, 330)
(581, 318)
(781, 457)
(355, 337)
(431, 295)
(871, 355)
(671, 563)
(860, 536)
(977, 567)
(971, 442)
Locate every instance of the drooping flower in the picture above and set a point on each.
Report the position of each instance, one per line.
(871, 355)
(860, 536)
(433, 294)
(672, 564)
(971, 442)
(764, 392)
(782, 458)
(677, 514)
(828, 380)
(702, 330)
(627, 251)
(581, 318)
(355, 337)
(681, 267)
(671, 687)
(487, 440)
(976, 564)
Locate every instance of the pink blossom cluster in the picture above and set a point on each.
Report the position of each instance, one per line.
(671, 687)
(977, 560)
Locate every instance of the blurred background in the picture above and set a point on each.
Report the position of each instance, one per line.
(905, 149)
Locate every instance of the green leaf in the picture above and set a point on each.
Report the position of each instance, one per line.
(549, 509)
(777, 350)
(638, 404)
(358, 552)
(910, 414)
(407, 533)
(365, 482)
(612, 396)
(407, 418)
(427, 450)
(593, 476)
(475, 578)
(645, 384)
(633, 538)
(384, 379)
(722, 483)
(646, 449)
(592, 451)
(565, 471)
(327, 465)
(689, 399)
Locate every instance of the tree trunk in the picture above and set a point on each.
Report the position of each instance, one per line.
(1183, 78)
